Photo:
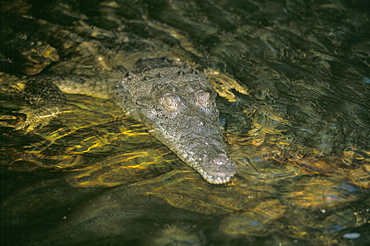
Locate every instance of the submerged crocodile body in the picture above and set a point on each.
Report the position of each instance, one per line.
(176, 104)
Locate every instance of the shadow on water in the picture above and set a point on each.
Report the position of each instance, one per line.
(293, 81)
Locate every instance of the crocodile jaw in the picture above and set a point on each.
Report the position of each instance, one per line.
(207, 155)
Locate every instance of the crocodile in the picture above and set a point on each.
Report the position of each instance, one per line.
(175, 102)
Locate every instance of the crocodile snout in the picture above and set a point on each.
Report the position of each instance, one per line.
(217, 169)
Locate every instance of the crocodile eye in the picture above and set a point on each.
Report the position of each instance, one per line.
(203, 99)
(170, 102)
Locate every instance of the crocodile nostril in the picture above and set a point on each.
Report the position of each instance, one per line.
(219, 166)
(221, 160)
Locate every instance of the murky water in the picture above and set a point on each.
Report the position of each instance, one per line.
(293, 80)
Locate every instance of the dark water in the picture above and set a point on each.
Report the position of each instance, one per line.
(294, 85)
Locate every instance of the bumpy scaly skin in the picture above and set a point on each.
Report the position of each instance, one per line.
(178, 107)
(177, 104)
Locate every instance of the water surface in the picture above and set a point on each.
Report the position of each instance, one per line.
(293, 84)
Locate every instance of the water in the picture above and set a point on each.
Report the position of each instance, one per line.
(294, 98)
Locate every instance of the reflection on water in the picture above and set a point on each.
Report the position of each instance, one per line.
(293, 80)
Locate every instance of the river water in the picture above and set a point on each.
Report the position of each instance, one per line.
(293, 79)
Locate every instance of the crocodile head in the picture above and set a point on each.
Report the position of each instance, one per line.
(178, 106)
